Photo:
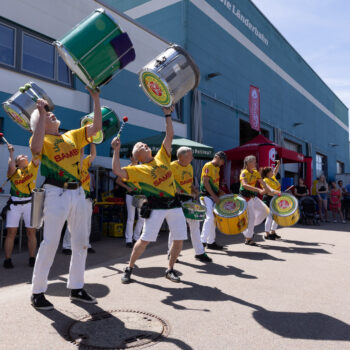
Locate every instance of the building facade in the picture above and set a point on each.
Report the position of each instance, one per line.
(232, 42)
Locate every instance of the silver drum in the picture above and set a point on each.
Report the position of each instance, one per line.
(21, 105)
(169, 77)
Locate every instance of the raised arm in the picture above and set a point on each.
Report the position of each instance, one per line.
(96, 126)
(37, 143)
(117, 170)
(169, 130)
(93, 152)
(277, 167)
(11, 163)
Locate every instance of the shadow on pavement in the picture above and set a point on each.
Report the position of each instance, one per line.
(295, 325)
(297, 250)
(250, 255)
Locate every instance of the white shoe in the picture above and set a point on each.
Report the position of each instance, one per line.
(344, 222)
(335, 221)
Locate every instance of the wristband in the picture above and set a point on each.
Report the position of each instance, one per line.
(168, 115)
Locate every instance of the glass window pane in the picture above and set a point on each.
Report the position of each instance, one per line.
(7, 39)
(63, 71)
(38, 56)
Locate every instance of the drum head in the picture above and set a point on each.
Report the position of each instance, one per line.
(284, 205)
(230, 206)
(98, 138)
(194, 206)
(17, 115)
(156, 89)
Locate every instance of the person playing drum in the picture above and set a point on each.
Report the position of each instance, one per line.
(209, 188)
(131, 234)
(269, 176)
(183, 175)
(156, 181)
(22, 177)
(257, 210)
(64, 198)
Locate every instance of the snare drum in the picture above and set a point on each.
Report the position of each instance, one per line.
(110, 125)
(96, 49)
(169, 77)
(21, 105)
(231, 214)
(285, 209)
(194, 211)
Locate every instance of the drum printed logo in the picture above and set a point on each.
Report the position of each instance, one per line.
(283, 204)
(155, 88)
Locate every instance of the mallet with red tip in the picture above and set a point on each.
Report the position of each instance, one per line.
(125, 119)
(3, 138)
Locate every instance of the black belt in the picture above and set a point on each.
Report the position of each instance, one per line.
(65, 185)
(163, 203)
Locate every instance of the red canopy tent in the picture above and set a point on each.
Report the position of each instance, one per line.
(265, 152)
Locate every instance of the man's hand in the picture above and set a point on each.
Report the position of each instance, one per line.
(115, 144)
(40, 104)
(168, 110)
(94, 93)
(10, 148)
(262, 191)
(216, 199)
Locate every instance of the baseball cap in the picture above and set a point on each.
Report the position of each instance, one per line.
(221, 155)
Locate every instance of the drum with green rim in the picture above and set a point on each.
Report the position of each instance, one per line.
(285, 209)
(169, 77)
(96, 49)
(231, 214)
(110, 124)
(194, 211)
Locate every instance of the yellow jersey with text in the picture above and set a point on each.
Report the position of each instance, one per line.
(183, 176)
(134, 185)
(85, 176)
(213, 172)
(60, 155)
(154, 178)
(23, 181)
(273, 183)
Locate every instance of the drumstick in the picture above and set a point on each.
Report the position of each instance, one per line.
(290, 187)
(3, 137)
(125, 119)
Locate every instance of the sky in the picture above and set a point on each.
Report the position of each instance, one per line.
(319, 30)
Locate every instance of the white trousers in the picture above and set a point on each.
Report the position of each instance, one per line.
(60, 206)
(15, 212)
(195, 236)
(208, 231)
(131, 234)
(257, 212)
(66, 243)
(270, 224)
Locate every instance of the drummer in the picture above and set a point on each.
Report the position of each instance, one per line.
(269, 176)
(257, 209)
(131, 234)
(64, 198)
(183, 175)
(210, 191)
(157, 183)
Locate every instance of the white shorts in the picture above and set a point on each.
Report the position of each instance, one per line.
(15, 212)
(176, 222)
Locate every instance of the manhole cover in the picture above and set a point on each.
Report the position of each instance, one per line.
(117, 329)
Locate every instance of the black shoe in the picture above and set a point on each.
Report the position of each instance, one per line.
(129, 245)
(276, 236)
(270, 237)
(8, 264)
(171, 275)
(126, 278)
(215, 246)
(31, 261)
(67, 251)
(82, 295)
(91, 250)
(39, 302)
(204, 244)
(203, 257)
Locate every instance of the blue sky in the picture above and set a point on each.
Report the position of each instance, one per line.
(319, 31)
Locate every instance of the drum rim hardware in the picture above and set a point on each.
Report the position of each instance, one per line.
(290, 213)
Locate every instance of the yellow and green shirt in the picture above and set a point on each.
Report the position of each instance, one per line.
(213, 172)
(154, 178)
(134, 185)
(23, 181)
(251, 179)
(60, 156)
(85, 176)
(183, 176)
(273, 183)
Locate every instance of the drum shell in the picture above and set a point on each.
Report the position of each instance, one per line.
(37, 210)
(232, 225)
(178, 73)
(288, 219)
(192, 214)
(95, 61)
(24, 105)
(110, 124)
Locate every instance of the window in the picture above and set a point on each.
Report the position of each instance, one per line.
(321, 165)
(292, 146)
(246, 133)
(340, 167)
(7, 45)
(32, 54)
